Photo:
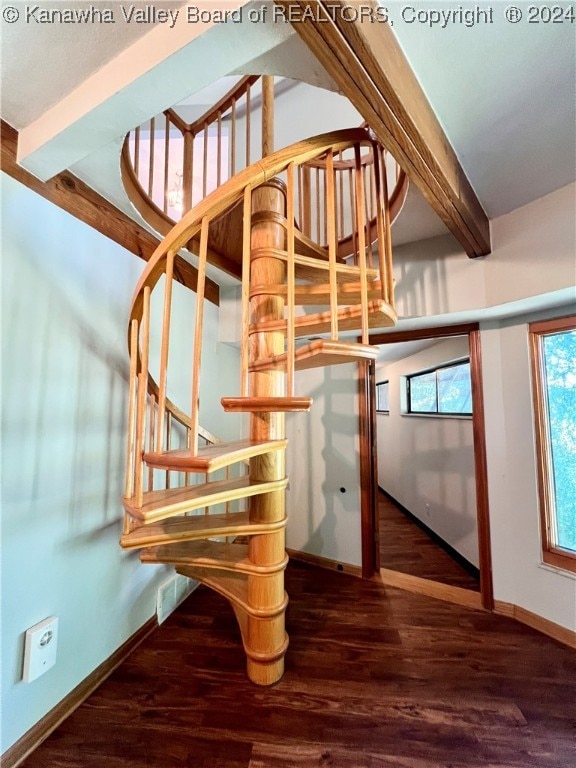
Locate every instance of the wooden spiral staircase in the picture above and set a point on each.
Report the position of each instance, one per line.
(306, 226)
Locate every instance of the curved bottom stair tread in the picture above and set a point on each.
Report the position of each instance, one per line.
(234, 587)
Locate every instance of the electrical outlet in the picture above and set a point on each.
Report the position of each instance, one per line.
(428, 511)
(40, 648)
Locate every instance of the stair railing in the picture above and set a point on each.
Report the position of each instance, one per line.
(153, 417)
(170, 165)
(313, 202)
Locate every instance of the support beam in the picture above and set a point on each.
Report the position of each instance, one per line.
(77, 198)
(370, 68)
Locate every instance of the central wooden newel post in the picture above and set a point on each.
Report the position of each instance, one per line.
(266, 640)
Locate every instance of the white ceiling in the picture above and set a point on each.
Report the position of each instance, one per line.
(505, 93)
(42, 63)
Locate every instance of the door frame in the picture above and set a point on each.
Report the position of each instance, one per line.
(369, 458)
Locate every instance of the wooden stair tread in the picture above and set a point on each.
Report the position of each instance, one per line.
(380, 315)
(320, 353)
(266, 404)
(348, 293)
(175, 501)
(212, 457)
(317, 270)
(207, 554)
(192, 528)
(232, 585)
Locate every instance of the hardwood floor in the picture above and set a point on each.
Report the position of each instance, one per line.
(406, 548)
(376, 678)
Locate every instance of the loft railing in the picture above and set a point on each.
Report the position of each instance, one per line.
(168, 166)
(173, 165)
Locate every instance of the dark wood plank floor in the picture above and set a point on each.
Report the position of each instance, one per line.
(376, 678)
(406, 548)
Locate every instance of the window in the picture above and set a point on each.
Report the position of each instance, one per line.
(383, 397)
(553, 347)
(445, 390)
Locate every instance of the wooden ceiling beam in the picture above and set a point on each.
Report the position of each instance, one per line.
(75, 197)
(368, 65)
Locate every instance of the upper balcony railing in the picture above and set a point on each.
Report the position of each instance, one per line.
(169, 166)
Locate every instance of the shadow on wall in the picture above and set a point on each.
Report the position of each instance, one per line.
(70, 388)
(433, 277)
(325, 485)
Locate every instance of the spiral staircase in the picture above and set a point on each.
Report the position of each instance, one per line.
(307, 230)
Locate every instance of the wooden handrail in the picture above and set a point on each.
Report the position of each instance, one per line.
(222, 106)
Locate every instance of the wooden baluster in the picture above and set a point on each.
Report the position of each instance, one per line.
(331, 237)
(306, 202)
(318, 205)
(168, 442)
(341, 185)
(233, 140)
(325, 208)
(131, 452)
(205, 169)
(187, 172)
(166, 161)
(164, 348)
(300, 197)
(219, 152)
(151, 439)
(361, 214)
(384, 277)
(244, 349)
(388, 237)
(248, 137)
(353, 216)
(290, 234)
(142, 393)
(151, 158)
(368, 218)
(137, 152)
(192, 141)
(267, 115)
(198, 336)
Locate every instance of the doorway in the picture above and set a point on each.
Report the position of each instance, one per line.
(456, 500)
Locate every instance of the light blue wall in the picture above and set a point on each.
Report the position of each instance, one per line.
(66, 293)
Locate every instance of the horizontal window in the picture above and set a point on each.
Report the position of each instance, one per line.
(553, 347)
(445, 390)
(383, 397)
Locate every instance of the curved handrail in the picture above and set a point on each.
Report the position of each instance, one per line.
(221, 107)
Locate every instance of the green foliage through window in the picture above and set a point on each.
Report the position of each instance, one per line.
(559, 362)
(446, 390)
